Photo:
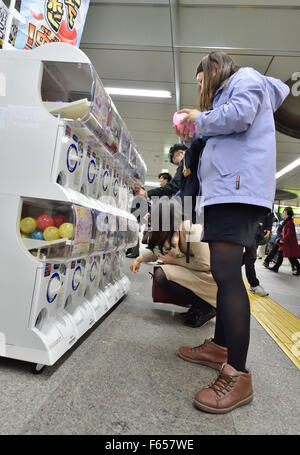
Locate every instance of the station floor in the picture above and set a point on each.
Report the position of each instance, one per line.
(125, 378)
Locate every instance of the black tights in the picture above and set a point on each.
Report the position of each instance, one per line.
(233, 309)
(180, 293)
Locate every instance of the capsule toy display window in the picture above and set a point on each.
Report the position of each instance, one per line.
(83, 231)
(101, 231)
(46, 228)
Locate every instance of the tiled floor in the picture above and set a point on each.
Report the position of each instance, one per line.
(124, 376)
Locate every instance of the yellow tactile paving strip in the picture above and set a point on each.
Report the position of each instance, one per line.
(280, 324)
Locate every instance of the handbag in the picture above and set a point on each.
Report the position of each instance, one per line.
(162, 296)
(264, 240)
(159, 294)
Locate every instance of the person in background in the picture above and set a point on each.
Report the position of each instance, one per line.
(237, 182)
(264, 228)
(176, 154)
(288, 244)
(164, 178)
(186, 279)
(135, 251)
(271, 255)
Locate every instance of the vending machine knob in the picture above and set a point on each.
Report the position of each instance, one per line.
(76, 278)
(54, 286)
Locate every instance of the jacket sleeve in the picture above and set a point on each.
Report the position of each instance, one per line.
(235, 116)
(149, 257)
(170, 188)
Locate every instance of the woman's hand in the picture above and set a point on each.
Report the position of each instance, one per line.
(191, 115)
(166, 259)
(184, 133)
(136, 264)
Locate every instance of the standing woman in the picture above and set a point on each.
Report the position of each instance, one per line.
(237, 181)
(288, 244)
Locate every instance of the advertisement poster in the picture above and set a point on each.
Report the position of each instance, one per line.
(51, 21)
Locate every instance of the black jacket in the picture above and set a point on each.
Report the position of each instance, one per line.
(171, 187)
(190, 182)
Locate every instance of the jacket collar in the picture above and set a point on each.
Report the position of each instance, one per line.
(226, 82)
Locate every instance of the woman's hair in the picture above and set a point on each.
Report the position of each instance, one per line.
(226, 67)
(166, 217)
(289, 212)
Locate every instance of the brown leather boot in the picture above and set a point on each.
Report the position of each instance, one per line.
(209, 354)
(230, 390)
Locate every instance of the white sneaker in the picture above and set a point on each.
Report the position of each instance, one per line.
(259, 290)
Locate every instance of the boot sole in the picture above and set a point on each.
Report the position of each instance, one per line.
(213, 365)
(205, 408)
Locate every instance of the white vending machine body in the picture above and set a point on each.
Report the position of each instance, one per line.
(69, 158)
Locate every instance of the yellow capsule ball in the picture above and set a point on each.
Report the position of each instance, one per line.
(27, 225)
(66, 230)
(51, 233)
(26, 236)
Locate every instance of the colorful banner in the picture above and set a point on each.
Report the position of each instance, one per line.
(3, 18)
(51, 21)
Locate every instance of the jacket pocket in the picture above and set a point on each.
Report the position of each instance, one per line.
(220, 162)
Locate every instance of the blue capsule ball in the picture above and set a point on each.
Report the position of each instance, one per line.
(37, 235)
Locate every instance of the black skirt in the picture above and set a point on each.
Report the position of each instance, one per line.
(232, 222)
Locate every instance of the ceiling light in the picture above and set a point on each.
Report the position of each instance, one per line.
(138, 92)
(288, 168)
(149, 183)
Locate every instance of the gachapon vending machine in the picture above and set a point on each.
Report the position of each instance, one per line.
(72, 149)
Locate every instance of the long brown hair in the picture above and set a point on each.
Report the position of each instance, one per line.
(226, 67)
(171, 210)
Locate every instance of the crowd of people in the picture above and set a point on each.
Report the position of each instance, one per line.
(229, 162)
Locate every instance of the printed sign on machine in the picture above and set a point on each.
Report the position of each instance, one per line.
(51, 21)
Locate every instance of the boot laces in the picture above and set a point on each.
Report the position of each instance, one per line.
(202, 346)
(223, 383)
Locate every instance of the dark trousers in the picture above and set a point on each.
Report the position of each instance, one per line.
(272, 253)
(293, 261)
(249, 258)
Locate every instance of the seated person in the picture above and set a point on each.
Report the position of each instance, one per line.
(182, 274)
